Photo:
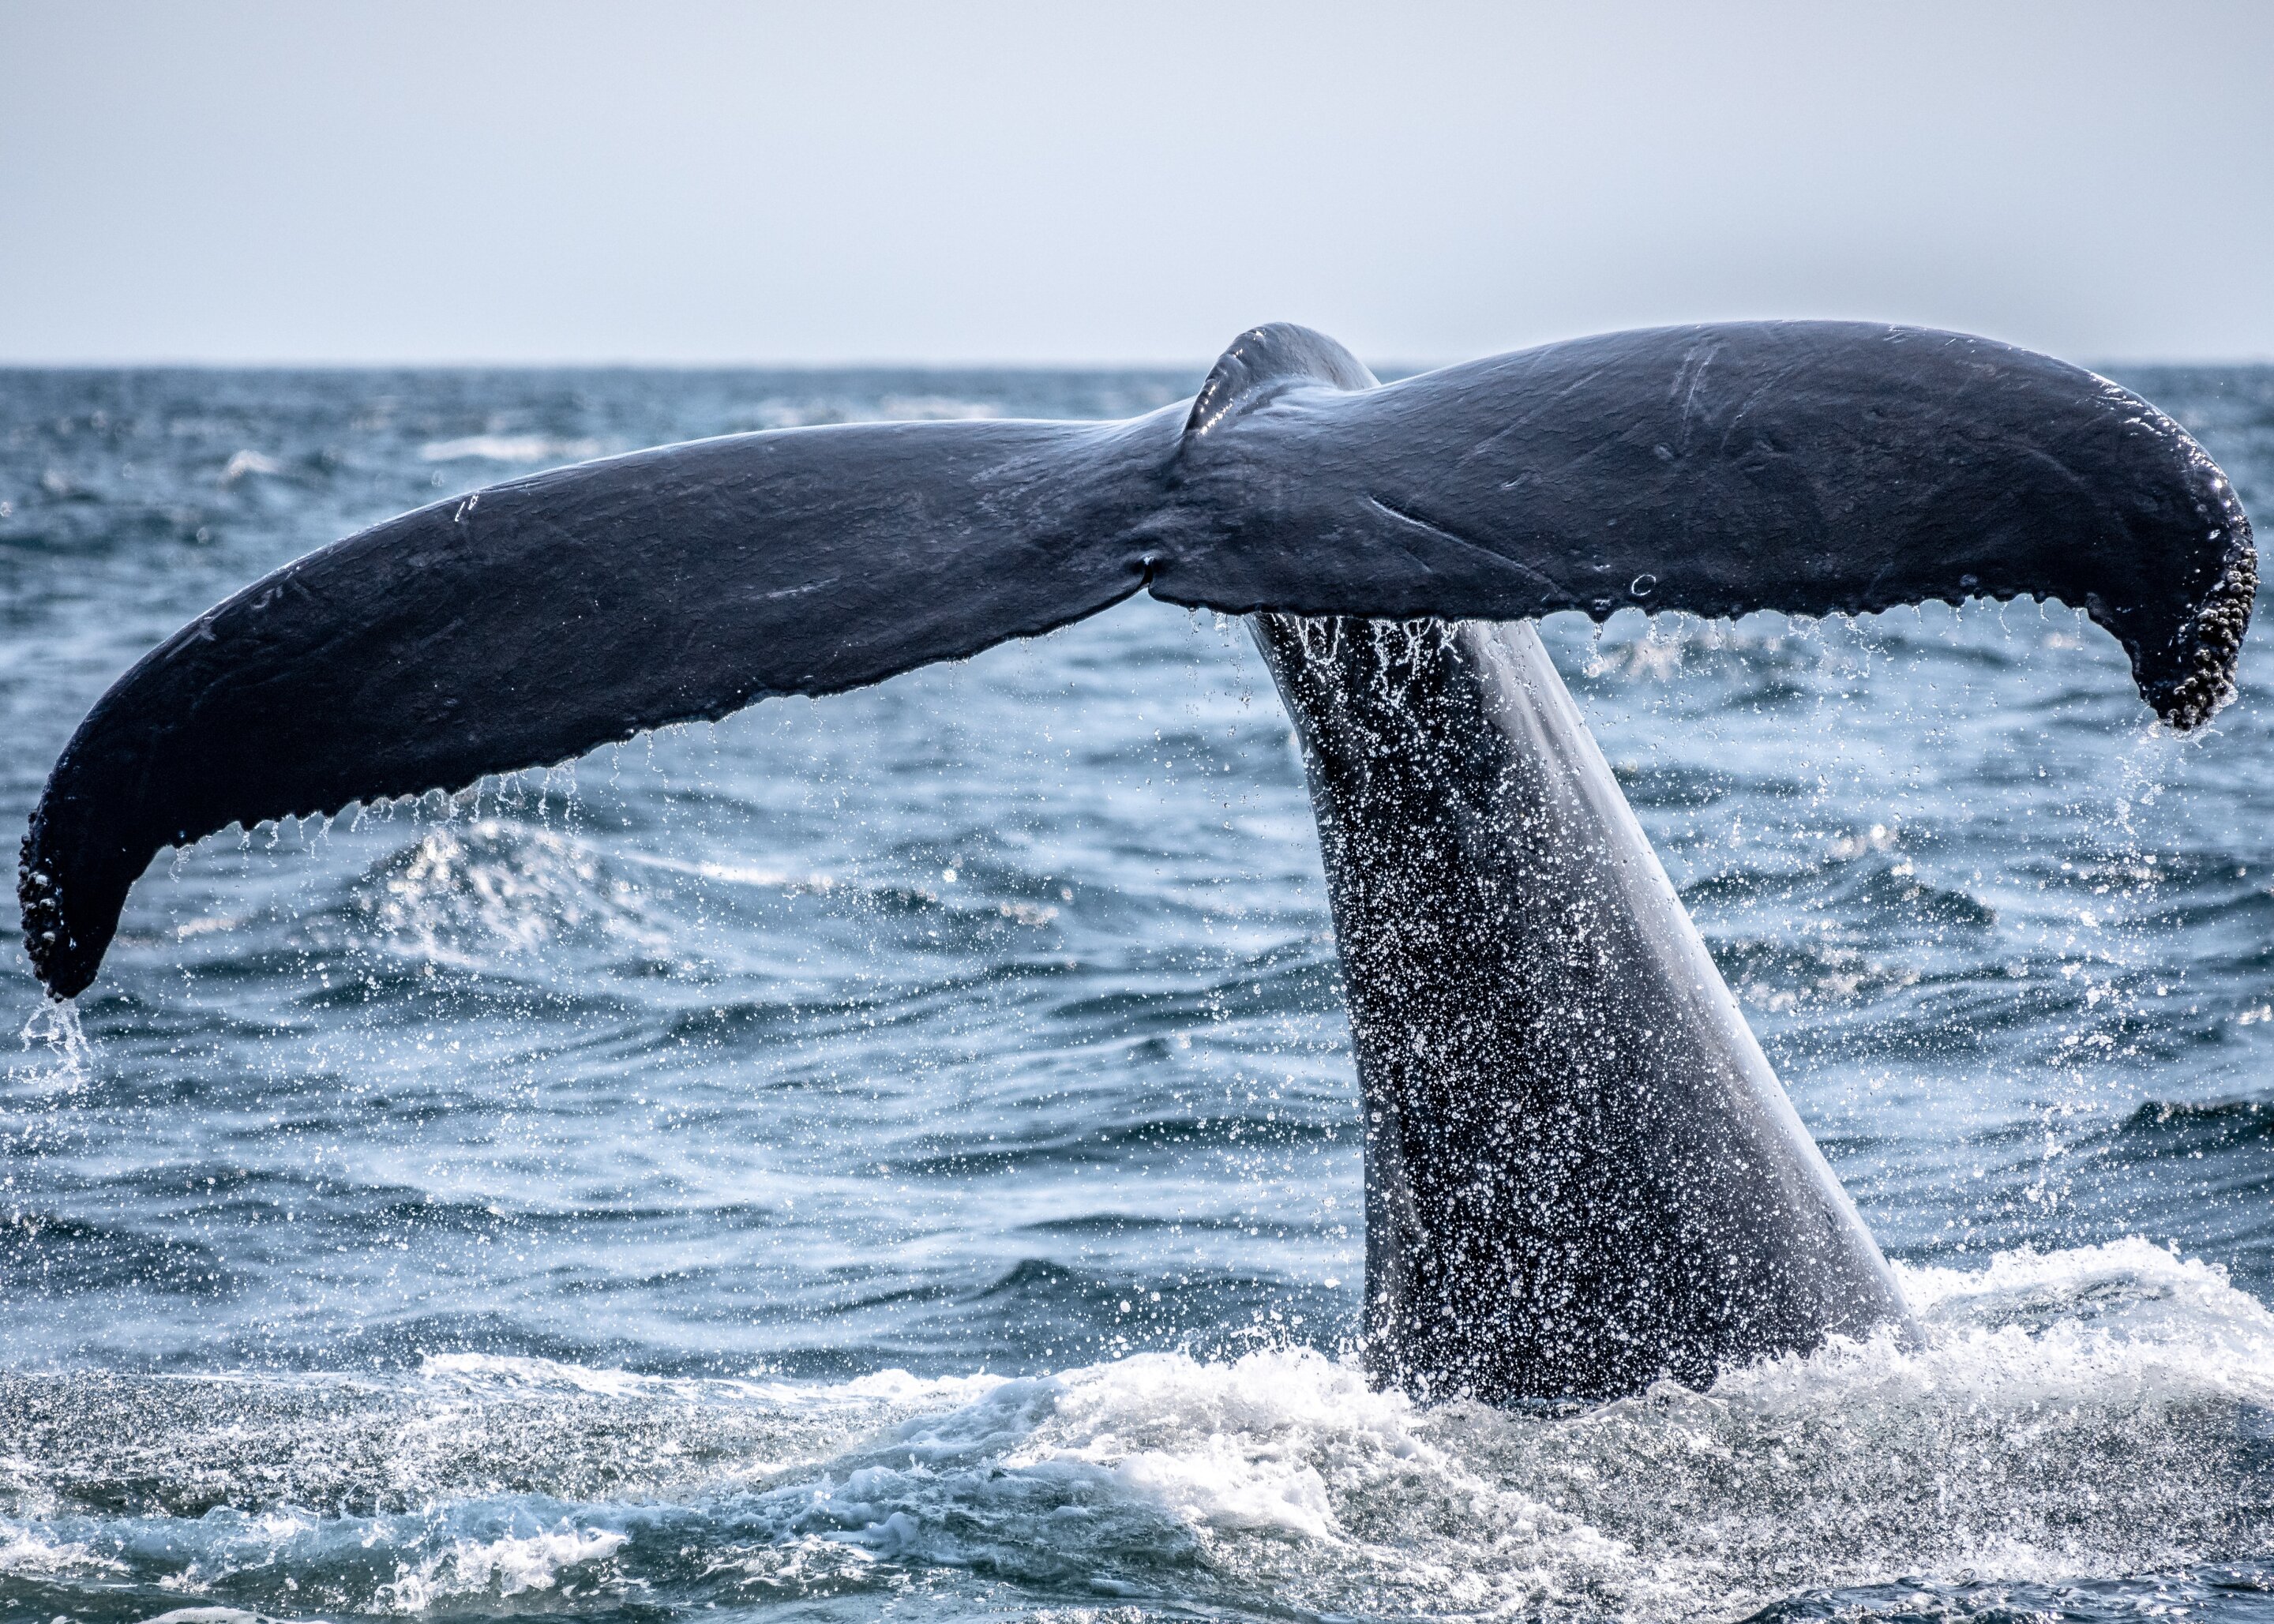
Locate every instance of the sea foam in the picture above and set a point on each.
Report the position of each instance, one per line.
(2067, 1417)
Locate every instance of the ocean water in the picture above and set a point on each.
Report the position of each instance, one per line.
(896, 1155)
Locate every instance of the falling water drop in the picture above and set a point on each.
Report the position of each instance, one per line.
(55, 1027)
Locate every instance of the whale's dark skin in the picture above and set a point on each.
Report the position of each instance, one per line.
(1581, 1172)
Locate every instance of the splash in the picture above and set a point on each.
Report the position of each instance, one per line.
(2070, 1418)
(67, 1060)
(462, 892)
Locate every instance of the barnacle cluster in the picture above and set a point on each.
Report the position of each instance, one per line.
(45, 937)
(2215, 643)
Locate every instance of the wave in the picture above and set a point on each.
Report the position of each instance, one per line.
(509, 449)
(781, 412)
(2069, 1417)
(2167, 1127)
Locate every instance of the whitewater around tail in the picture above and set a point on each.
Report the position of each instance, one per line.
(2070, 1418)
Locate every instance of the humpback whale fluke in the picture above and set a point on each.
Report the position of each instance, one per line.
(1581, 1171)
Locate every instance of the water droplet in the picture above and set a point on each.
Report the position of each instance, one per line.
(1640, 585)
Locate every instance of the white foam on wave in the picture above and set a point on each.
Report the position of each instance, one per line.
(778, 412)
(510, 1565)
(1251, 1444)
(31, 1552)
(479, 1373)
(507, 448)
(935, 408)
(248, 462)
(496, 1548)
(2067, 1416)
(2073, 1415)
(516, 1372)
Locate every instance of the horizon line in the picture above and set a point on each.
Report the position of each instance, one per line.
(1402, 366)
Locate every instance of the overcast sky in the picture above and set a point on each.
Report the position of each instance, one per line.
(687, 182)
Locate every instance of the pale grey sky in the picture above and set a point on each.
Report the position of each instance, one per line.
(690, 182)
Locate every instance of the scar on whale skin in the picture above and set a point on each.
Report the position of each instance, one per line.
(1582, 1173)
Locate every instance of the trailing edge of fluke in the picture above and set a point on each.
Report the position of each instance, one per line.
(1810, 467)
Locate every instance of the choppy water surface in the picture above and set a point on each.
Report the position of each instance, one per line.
(897, 1154)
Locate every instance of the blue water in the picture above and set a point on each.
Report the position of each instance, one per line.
(897, 1154)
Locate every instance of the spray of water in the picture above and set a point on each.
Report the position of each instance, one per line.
(62, 1061)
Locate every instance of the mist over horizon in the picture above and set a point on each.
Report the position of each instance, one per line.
(1014, 185)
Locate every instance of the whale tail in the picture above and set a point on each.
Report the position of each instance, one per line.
(1582, 1173)
(1811, 467)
